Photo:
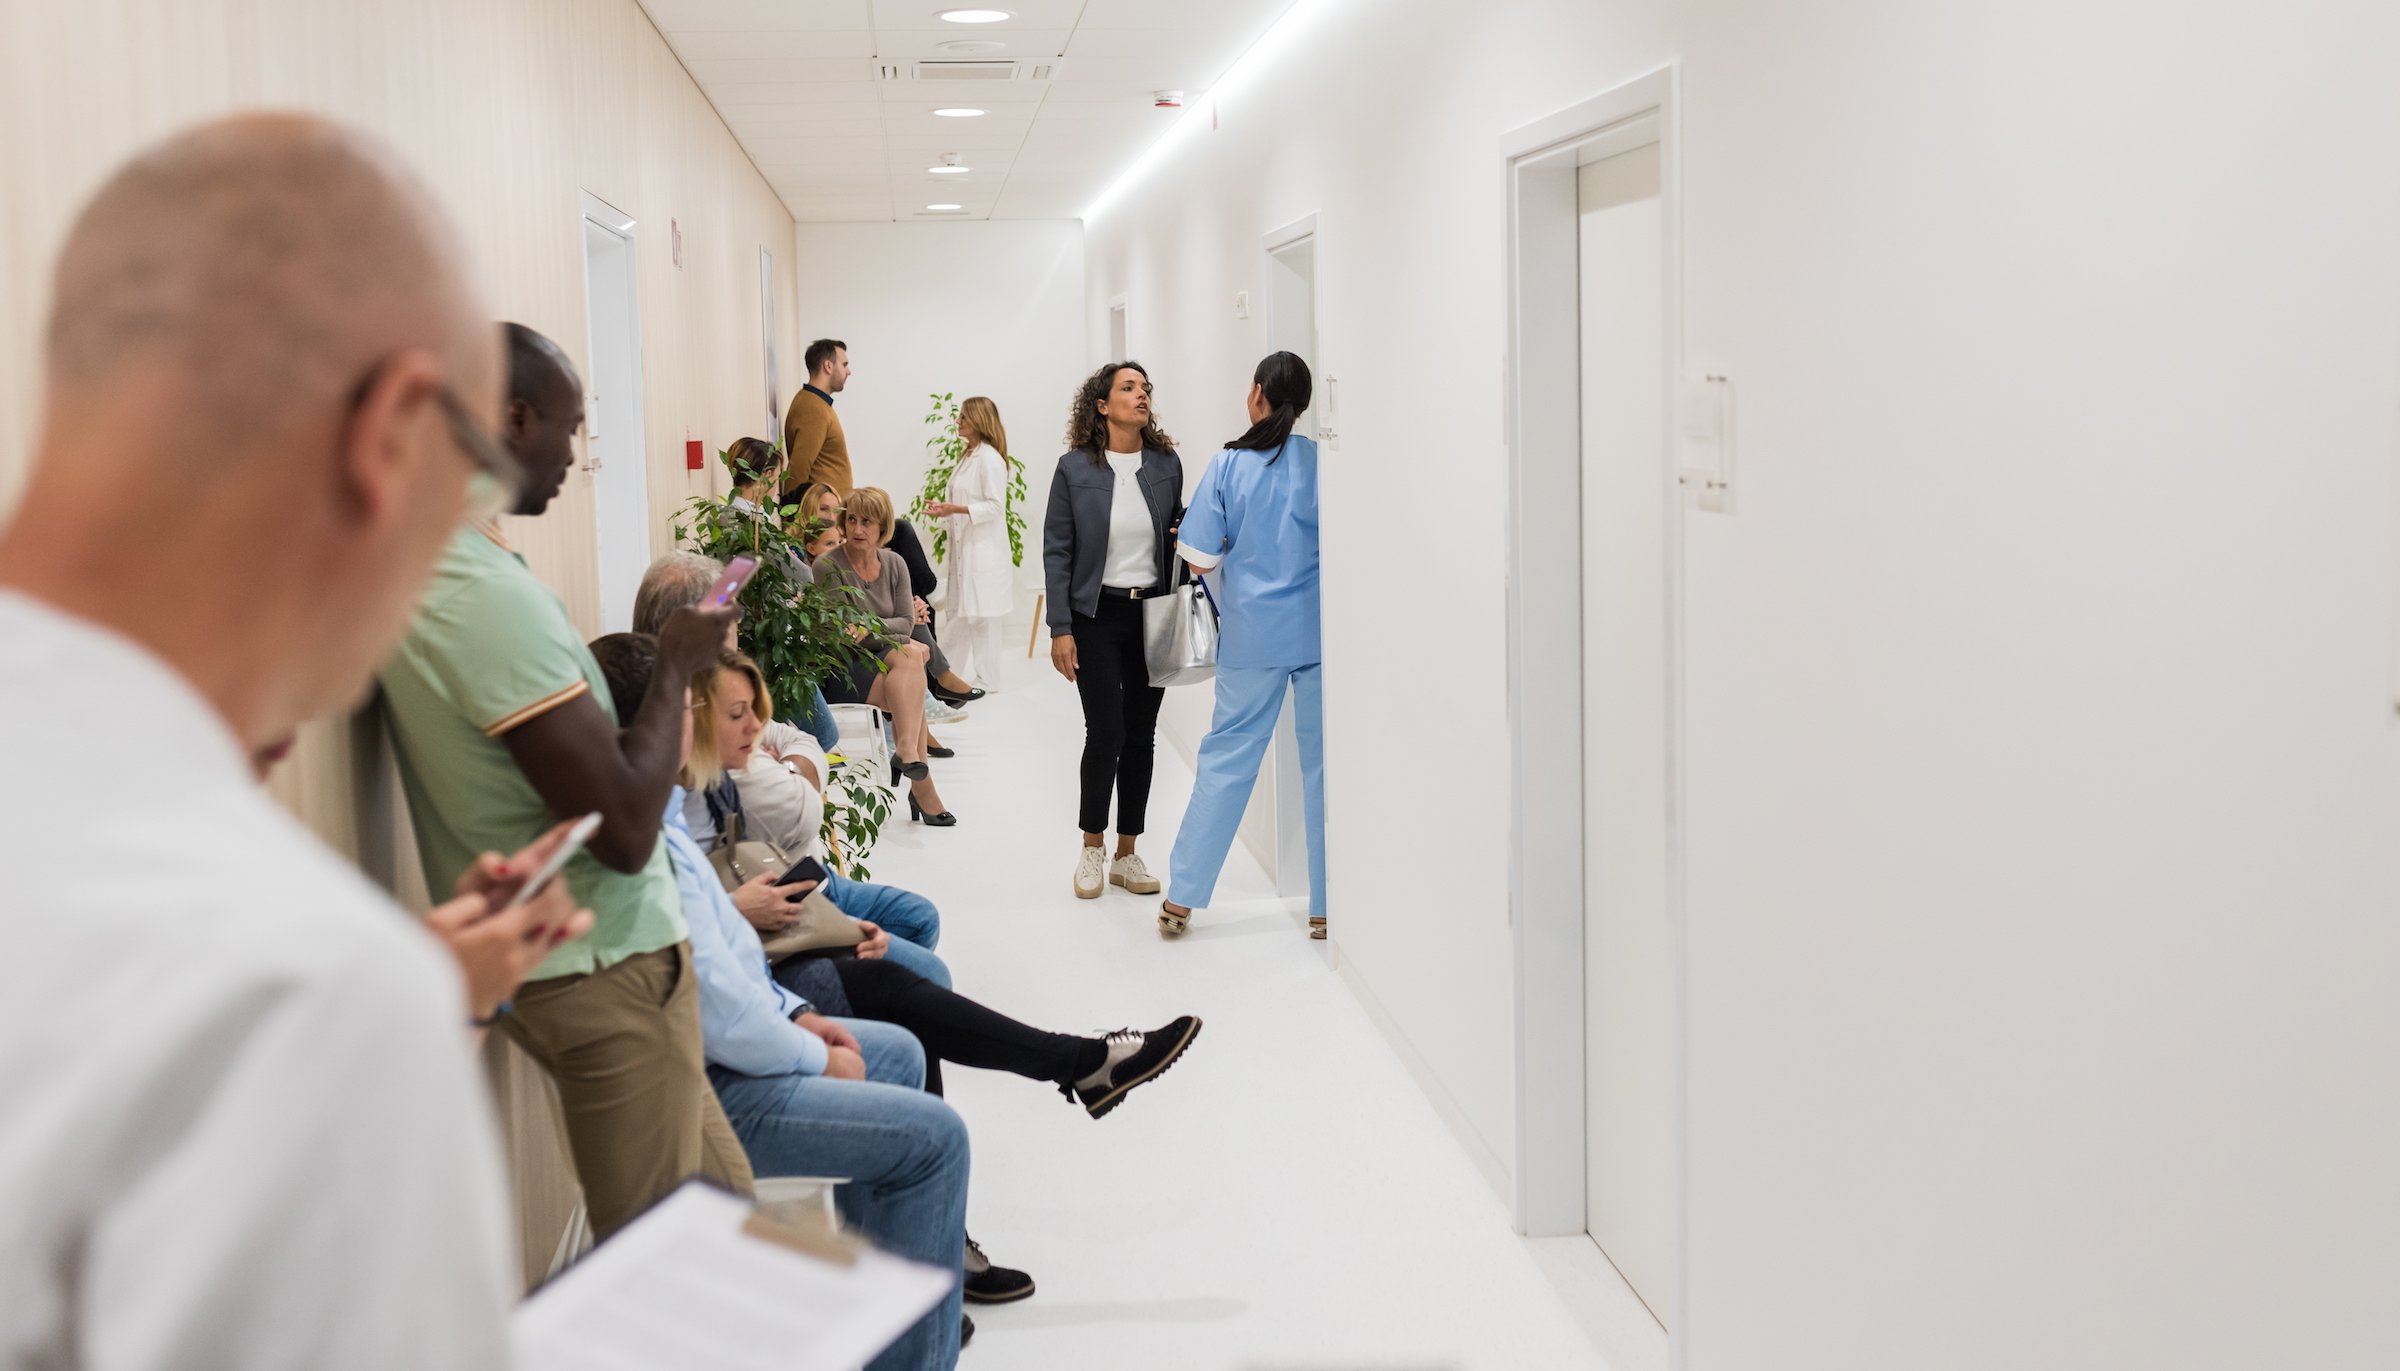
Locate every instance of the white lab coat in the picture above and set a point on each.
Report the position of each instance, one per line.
(978, 571)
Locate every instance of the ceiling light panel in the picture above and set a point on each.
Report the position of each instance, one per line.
(974, 16)
(895, 15)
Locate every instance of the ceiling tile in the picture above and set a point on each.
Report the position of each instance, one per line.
(701, 45)
(1028, 14)
(1023, 45)
(712, 70)
(1234, 16)
(728, 95)
(673, 16)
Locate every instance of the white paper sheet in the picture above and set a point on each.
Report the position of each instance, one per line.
(683, 1286)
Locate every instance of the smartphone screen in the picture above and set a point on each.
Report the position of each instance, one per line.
(737, 575)
(806, 869)
(573, 843)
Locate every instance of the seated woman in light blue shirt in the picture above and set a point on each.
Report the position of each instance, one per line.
(1253, 521)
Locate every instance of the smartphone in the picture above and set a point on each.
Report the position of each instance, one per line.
(806, 869)
(576, 837)
(737, 575)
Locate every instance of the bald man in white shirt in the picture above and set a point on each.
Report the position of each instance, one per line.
(242, 1125)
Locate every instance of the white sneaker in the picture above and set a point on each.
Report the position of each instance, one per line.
(938, 713)
(1091, 874)
(1129, 872)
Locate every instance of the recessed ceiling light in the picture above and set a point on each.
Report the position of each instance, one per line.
(949, 171)
(945, 209)
(959, 112)
(974, 16)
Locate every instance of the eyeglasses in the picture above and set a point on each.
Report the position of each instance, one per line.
(498, 481)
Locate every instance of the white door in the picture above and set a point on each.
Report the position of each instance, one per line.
(1116, 332)
(613, 411)
(1629, 968)
(1276, 823)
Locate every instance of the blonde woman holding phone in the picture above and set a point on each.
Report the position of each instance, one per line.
(981, 571)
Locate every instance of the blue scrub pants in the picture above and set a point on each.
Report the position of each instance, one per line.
(1248, 701)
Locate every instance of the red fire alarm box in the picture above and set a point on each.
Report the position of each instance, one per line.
(692, 460)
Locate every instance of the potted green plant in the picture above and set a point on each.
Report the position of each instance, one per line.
(799, 633)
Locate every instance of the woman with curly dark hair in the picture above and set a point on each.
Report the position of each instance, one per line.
(1106, 542)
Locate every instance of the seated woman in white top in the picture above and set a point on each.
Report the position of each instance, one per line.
(774, 776)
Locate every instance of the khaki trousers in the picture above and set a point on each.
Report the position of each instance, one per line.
(623, 1044)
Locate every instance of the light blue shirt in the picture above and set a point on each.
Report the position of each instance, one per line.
(745, 1016)
(1254, 521)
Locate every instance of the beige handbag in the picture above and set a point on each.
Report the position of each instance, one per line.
(821, 927)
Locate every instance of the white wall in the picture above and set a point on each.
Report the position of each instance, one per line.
(974, 309)
(2043, 986)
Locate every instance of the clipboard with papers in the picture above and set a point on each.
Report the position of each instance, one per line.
(703, 1279)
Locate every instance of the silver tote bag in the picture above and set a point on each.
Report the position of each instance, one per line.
(1179, 632)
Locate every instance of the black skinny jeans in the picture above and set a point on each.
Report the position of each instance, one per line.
(1120, 715)
(956, 1029)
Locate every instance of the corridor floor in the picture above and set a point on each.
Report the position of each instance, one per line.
(1284, 1199)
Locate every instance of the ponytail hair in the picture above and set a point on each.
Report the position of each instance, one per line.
(1283, 379)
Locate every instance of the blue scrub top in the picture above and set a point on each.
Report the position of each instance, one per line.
(1261, 517)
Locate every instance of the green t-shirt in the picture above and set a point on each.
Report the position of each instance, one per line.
(492, 647)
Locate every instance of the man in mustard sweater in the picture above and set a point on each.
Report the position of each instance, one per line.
(813, 446)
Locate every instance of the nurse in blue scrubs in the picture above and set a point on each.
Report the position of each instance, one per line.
(1253, 522)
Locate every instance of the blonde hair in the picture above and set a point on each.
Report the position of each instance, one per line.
(806, 498)
(707, 763)
(870, 502)
(985, 416)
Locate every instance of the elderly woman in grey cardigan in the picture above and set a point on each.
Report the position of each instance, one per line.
(897, 685)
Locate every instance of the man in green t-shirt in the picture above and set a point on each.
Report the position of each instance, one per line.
(504, 725)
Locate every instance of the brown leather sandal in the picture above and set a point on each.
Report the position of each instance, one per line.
(1316, 927)
(1171, 924)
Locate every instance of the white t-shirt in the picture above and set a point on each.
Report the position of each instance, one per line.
(243, 1125)
(1132, 538)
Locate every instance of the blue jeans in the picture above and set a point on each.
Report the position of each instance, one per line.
(906, 915)
(1248, 699)
(903, 1151)
(817, 717)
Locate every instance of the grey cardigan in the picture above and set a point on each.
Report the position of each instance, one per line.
(890, 599)
(1075, 531)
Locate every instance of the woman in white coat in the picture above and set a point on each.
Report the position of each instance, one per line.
(980, 571)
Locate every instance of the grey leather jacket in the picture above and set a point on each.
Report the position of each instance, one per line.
(1075, 531)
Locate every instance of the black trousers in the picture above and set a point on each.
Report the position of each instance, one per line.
(1120, 715)
(954, 1028)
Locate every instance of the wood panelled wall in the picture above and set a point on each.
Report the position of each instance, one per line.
(511, 109)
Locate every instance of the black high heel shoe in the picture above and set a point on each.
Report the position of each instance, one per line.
(954, 698)
(916, 812)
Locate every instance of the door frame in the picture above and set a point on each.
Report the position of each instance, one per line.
(609, 219)
(1290, 866)
(1542, 384)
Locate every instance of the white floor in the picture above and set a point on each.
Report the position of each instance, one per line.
(1284, 1199)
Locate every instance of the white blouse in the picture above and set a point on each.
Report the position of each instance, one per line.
(1132, 538)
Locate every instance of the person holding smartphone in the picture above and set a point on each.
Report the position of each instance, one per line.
(503, 725)
(1114, 500)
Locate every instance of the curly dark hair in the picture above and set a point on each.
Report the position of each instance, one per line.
(1087, 432)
